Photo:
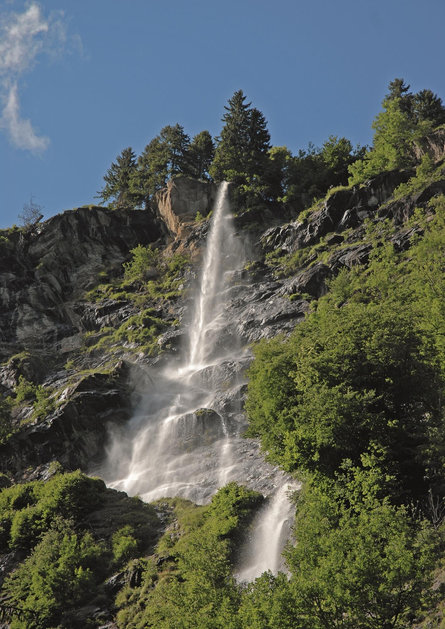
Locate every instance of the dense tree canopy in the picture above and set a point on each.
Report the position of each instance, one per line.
(405, 118)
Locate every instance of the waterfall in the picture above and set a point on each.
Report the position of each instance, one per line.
(185, 438)
(267, 535)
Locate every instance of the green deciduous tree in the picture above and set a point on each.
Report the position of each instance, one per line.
(58, 574)
(351, 379)
(405, 117)
(365, 566)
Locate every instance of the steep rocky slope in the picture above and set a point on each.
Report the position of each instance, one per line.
(74, 329)
(51, 328)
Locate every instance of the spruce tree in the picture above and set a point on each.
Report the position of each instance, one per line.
(118, 181)
(200, 155)
(244, 142)
(151, 171)
(176, 144)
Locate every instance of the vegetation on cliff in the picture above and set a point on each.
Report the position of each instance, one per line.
(70, 533)
(351, 402)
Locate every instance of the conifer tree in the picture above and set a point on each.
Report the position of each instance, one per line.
(118, 181)
(200, 155)
(176, 143)
(244, 143)
(152, 170)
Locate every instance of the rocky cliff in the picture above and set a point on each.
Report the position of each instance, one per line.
(49, 323)
(46, 269)
(78, 340)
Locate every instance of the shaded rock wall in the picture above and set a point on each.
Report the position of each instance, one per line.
(43, 271)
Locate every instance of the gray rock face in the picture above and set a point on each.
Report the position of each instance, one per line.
(432, 144)
(343, 209)
(43, 272)
(73, 434)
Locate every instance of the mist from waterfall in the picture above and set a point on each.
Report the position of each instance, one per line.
(185, 438)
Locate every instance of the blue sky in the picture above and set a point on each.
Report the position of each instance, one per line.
(80, 81)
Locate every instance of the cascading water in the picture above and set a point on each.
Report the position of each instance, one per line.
(185, 437)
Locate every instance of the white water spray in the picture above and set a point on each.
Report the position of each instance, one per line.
(185, 438)
(267, 535)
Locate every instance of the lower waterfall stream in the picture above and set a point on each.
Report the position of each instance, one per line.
(185, 438)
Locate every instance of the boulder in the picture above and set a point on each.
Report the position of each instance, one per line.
(181, 200)
(432, 144)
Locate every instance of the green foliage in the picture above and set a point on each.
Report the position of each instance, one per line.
(118, 181)
(168, 154)
(195, 588)
(405, 118)
(244, 141)
(141, 330)
(364, 566)
(200, 155)
(71, 533)
(426, 173)
(59, 574)
(302, 178)
(27, 510)
(25, 391)
(241, 155)
(364, 376)
(145, 259)
(124, 544)
(29, 393)
(268, 603)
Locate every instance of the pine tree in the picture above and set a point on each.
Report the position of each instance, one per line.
(152, 170)
(176, 144)
(428, 106)
(118, 181)
(244, 142)
(200, 155)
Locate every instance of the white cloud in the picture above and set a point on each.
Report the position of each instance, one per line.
(23, 37)
(21, 40)
(20, 131)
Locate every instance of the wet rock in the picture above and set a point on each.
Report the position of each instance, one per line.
(312, 281)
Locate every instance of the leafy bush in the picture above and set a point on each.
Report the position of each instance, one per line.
(60, 573)
(194, 587)
(37, 395)
(145, 259)
(72, 532)
(124, 544)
